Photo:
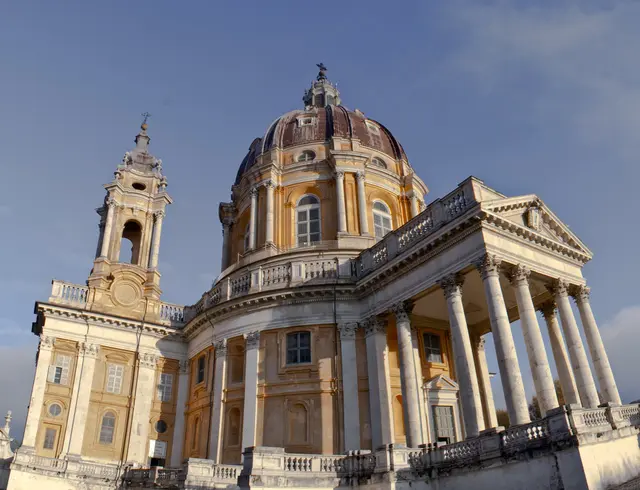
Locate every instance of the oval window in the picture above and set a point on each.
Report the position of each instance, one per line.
(55, 409)
(139, 186)
(161, 427)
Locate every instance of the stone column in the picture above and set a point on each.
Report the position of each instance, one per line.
(567, 382)
(45, 350)
(270, 213)
(484, 383)
(155, 245)
(510, 374)
(579, 362)
(226, 236)
(253, 219)
(415, 206)
(379, 395)
(80, 397)
(179, 432)
(417, 361)
(145, 391)
(599, 356)
(538, 361)
(250, 419)
(217, 414)
(108, 227)
(342, 213)
(463, 356)
(350, 407)
(408, 382)
(362, 204)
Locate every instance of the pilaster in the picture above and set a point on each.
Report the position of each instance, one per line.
(351, 408)
(179, 432)
(250, 420)
(219, 386)
(45, 351)
(144, 392)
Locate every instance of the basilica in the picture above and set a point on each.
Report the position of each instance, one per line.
(342, 344)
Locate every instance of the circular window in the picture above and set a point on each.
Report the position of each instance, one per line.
(161, 427)
(139, 186)
(55, 409)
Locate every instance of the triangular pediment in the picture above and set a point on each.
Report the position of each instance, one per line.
(441, 382)
(530, 213)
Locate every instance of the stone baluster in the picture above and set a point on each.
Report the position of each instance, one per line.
(108, 228)
(362, 204)
(379, 392)
(351, 408)
(579, 362)
(253, 218)
(155, 245)
(270, 211)
(45, 352)
(80, 397)
(538, 361)
(250, 419)
(408, 382)
(217, 414)
(563, 366)
(599, 356)
(342, 213)
(510, 374)
(484, 383)
(177, 447)
(463, 356)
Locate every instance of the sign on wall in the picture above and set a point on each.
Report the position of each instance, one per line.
(157, 449)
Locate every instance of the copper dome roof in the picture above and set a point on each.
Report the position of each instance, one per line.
(327, 122)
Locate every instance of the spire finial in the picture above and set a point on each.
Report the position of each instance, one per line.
(322, 75)
(7, 421)
(144, 124)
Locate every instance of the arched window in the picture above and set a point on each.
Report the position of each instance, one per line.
(378, 162)
(308, 220)
(298, 348)
(131, 235)
(381, 219)
(107, 428)
(306, 156)
(246, 237)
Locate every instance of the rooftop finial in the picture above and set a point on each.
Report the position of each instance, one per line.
(322, 75)
(144, 124)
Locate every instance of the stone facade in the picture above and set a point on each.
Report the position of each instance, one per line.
(342, 343)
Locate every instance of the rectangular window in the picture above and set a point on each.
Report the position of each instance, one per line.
(49, 438)
(165, 387)
(59, 372)
(115, 373)
(444, 425)
(432, 348)
(298, 348)
(201, 369)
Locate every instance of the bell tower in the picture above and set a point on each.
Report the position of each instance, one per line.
(125, 279)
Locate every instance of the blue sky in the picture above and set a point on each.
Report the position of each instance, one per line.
(532, 97)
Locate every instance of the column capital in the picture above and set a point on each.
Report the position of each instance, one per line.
(478, 341)
(183, 367)
(581, 294)
(220, 347)
(519, 275)
(269, 184)
(148, 360)
(89, 350)
(402, 310)
(158, 215)
(360, 175)
(253, 192)
(374, 325)
(452, 284)
(488, 265)
(548, 309)
(347, 330)
(47, 343)
(252, 340)
(339, 174)
(111, 202)
(559, 287)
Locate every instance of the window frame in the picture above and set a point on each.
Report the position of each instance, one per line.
(162, 388)
(307, 208)
(246, 240)
(428, 348)
(379, 163)
(305, 121)
(46, 439)
(54, 404)
(107, 429)
(382, 215)
(452, 412)
(201, 370)
(117, 376)
(298, 348)
(60, 370)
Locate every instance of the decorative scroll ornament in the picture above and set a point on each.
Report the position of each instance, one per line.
(158, 215)
(347, 330)
(402, 310)
(519, 274)
(360, 175)
(338, 174)
(559, 288)
(581, 294)
(374, 325)
(254, 192)
(452, 284)
(148, 360)
(221, 348)
(488, 265)
(183, 367)
(252, 340)
(47, 342)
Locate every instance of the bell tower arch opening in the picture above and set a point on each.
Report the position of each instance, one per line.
(130, 243)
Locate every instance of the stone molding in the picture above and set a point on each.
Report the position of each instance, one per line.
(339, 174)
(148, 360)
(452, 284)
(347, 330)
(252, 340)
(581, 294)
(488, 266)
(253, 192)
(548, 309)
(158, 215)
(220, 348)
(183, 367)
(402, 310)
(559, 287)
(360, 175)
(46, 342)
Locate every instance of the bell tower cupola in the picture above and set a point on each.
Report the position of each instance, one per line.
(125, 274)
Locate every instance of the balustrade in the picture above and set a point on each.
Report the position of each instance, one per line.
(67, 293)
(172, 312)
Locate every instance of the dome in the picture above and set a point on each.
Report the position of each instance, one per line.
(322, 119)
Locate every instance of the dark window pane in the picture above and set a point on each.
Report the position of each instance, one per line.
(302, 216)
(302, 228)
(292, 356)
(314, 227)
(305, 355)
(315, 237)
(314, 213)
(292, 341)
(304, 339)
